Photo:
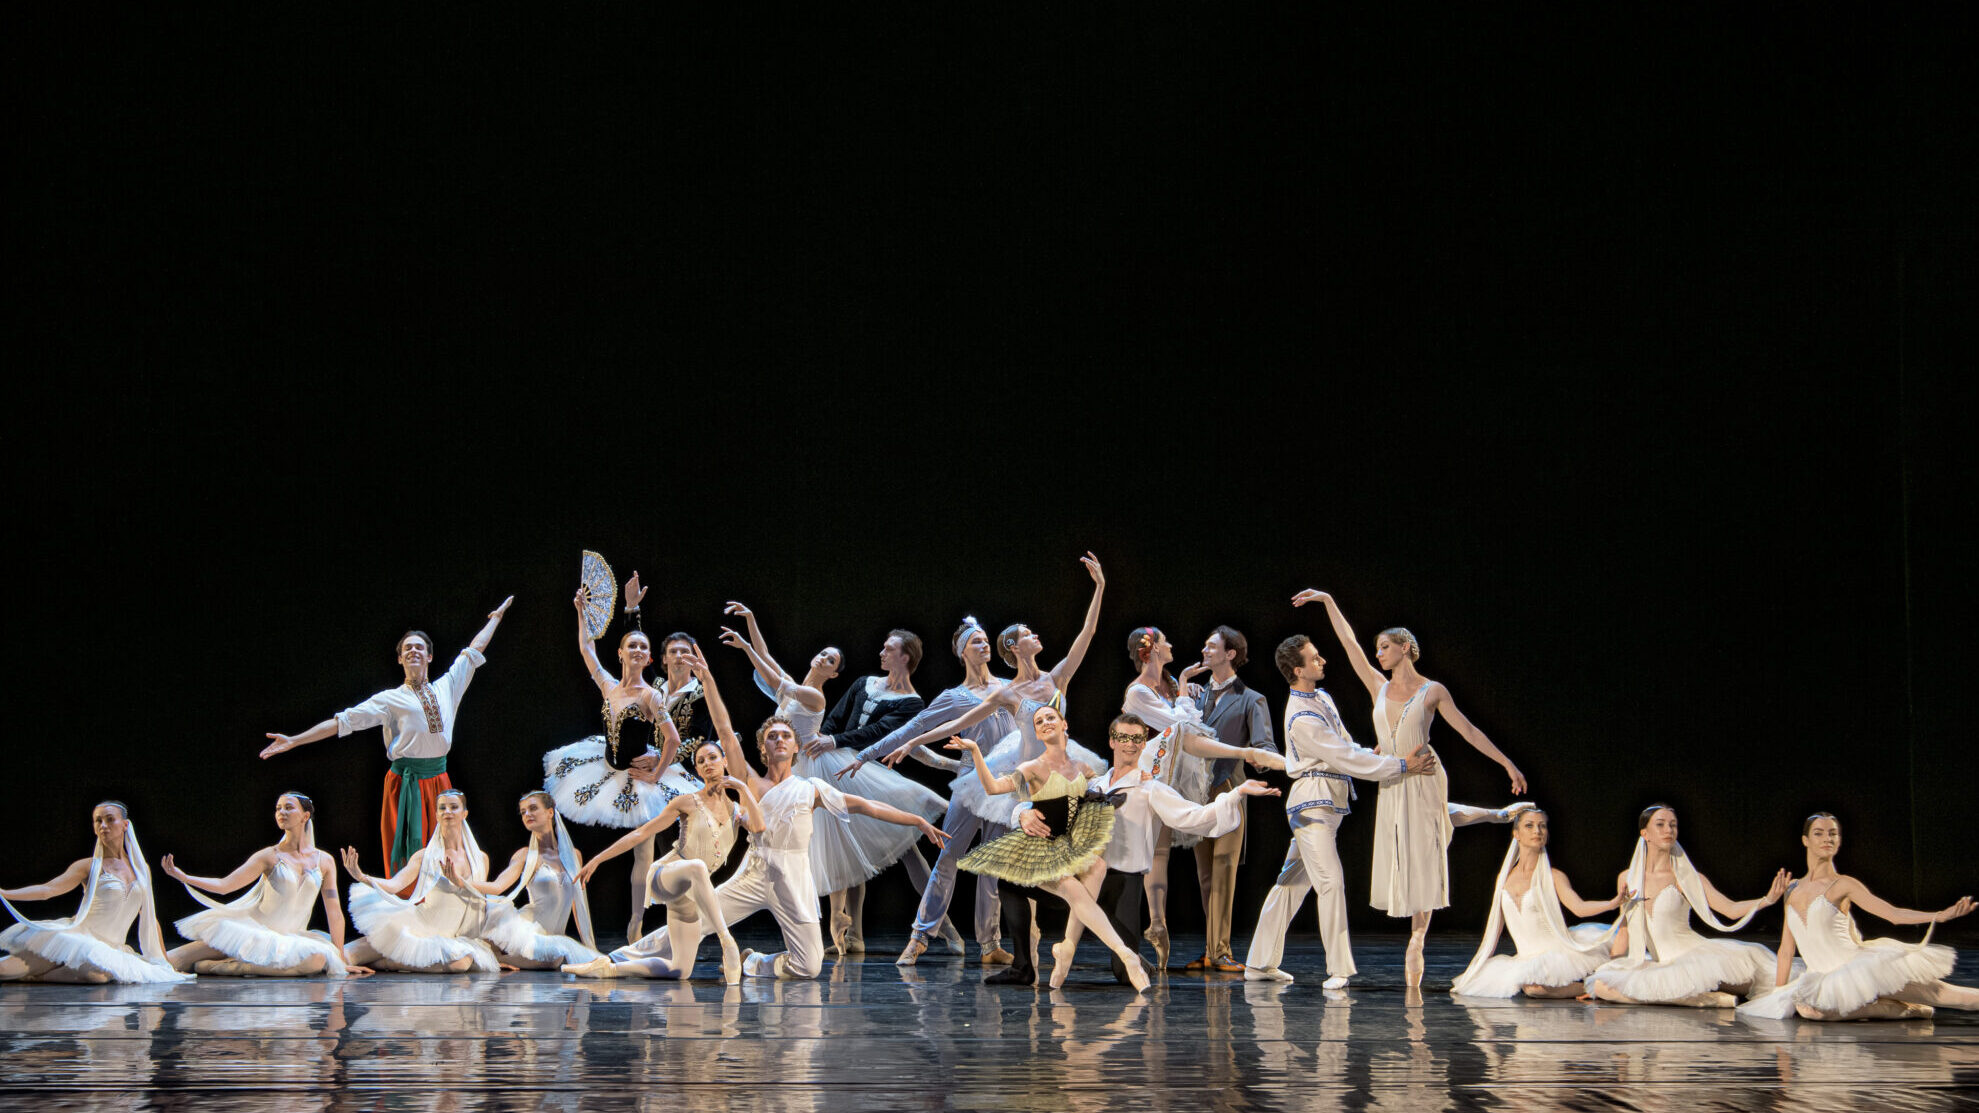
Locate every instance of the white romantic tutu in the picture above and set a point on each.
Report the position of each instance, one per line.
(1741, 968)
(421, 935)
(847, 852)
(590, 792)
(517, 934)
(1003, 759)
(246, 939)
(1881, 967)
(79, 950)
(1508, 975)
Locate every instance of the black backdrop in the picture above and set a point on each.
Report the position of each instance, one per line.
(1619, 362)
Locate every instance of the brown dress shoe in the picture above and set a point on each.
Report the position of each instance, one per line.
(998, 957)
(1226, 965)
(1198, 964)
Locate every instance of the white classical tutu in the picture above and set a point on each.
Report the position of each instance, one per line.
(1843, 972)
(590, 792)
(1002, 759)
(1742, 968)
(845, 853)
(1508, 975)
(421, 935)
(517, 934)
(246, 939)
(77, 949)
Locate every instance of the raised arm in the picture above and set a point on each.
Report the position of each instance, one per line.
(1062, 672)
(1725, 906)
(407, 874)
(1574, 903)
(993, 785)
(487, 634)
(68, 879)
(1442, 703)
(738, 762)
(752, 812)
(256, 865)
(1851, 889)
(759, 647)
(1371, 677)
(588, 649)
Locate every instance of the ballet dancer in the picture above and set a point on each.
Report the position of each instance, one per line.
(683, 879)
(418, 718)
(1143, 809)
(1848, 977)
(1659, 959)
(89, 947)
(265, 933)
(438, 929)
(1067, 861)
(1322, 760)
(548, 869)
(1527, 898)
(1179, 755)
(1413, 819)
(623, 777)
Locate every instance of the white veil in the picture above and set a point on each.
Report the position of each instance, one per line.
(1641, 946)
(151, 944)
(429, 871)
(1549, 906)
(567, 858)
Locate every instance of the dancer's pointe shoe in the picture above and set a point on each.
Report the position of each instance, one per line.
(1510, 812)
(1716, 999)
(953, 938)
(1914, 1011)
(997, 956)
(224, 968)
(1337, 981)
(757, 965)
(596, 968)
(1137, 973)
(1061, 962)
(1157, 937)
(910, 954)
(731, 963)
(1412, 964)
(1266, 974)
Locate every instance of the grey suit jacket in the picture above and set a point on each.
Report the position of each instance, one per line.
(1240, 717)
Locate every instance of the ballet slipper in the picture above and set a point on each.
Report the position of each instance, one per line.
(997, 956)
(851, 944)
(1412, 963)
(596, 968)
(1715, 999)
(1337, 981)
(224, 968)
(1061, 961)
(731, 962)
(912, 952)
(952, 937)
(1137, 973)
(1266, 974)
(1157, 937)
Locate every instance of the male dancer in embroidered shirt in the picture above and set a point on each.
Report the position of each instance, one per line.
(776, 874)
(418, 717)
(1143, 805)
(1241, 718)
(1321, 759)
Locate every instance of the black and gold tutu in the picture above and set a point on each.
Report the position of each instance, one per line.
(1084, 825)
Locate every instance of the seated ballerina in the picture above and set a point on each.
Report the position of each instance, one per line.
(1068, 863)
(1552, 958)
(1661, 960)
(683, 879)
(532, 937)
(266, 932)
(89, 947)
(1847, 977)
(438, 930)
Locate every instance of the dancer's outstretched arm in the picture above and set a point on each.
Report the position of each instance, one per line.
(1002, 699)
(1061, 673)
(487, 634)
(68, 879)
(1847, 888)
(407, 874)
(1576, 904)
(1726, 906)
(1371, 677)
(1441, 702)
(992, 785)
(669, 815)
(758, 648)
(887, 813)
(256, 865)
(738, 762)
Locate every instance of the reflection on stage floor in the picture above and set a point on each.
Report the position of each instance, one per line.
(871, 1036)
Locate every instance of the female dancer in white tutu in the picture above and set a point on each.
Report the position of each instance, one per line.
(266, 932)
(1848, 977)
(532, 937)
(1069, 862)
(683, 879)
(845, 856)
(1178, 756)
(438, 929)
(1413, 816)
(89, 946)
(623, 777)
(1527, 898)
(1663, 961)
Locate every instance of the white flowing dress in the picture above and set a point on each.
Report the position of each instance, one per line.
(846, 854)
(269, 926)
(1844, 971)
(1681, 963)
(1412, 825)
(96, 942)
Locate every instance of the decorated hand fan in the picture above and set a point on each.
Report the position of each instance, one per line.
(597, 576)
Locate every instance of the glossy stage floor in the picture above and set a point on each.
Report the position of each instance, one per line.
(869, 1036)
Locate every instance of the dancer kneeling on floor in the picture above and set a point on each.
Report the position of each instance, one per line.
(1067, 863)
(1847, 977)
(266, 932)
